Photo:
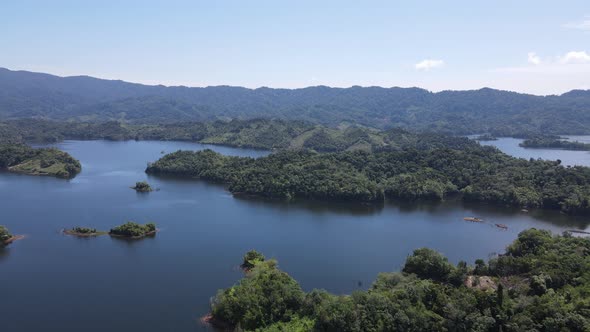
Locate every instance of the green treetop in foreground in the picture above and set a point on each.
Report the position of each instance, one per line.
(134, 230)
(251, 258)
(542, 283)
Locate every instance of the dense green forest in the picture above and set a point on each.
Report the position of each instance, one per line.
(541, 283)
(87, 99)
(21, 158)
(409, 171)
(554, 143)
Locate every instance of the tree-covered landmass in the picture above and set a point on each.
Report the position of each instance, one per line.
(418, 170)
(540, 284)
(142, 186)
(5, 235)
(133, 230)
(48, 161)
(553, 143)
(500, 113)
(84, 231)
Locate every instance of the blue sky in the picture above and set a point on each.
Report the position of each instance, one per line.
(540, 47)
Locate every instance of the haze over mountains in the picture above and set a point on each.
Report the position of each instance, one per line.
(36, 95)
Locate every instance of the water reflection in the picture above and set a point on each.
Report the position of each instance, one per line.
(314, 206)
(4, 253)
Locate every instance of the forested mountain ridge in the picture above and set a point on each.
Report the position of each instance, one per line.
(27, 95)
(255, 133)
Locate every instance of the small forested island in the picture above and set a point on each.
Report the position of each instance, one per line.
(554, 143)
(539, 284)
(134, 230)
(486, 137)
(84, 231)
(6, 238)
(430, 169)
(142, 186)
(24, 159)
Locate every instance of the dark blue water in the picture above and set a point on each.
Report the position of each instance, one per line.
(53, 282)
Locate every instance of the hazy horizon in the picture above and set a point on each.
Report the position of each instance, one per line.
(280, 88)
(535, 47)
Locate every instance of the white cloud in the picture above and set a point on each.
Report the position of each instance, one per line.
(569, 62)
(429, 64)
(534, 58)
(575, 57)
(580, 25)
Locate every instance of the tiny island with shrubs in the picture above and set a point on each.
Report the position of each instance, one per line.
(142, 186)
(129, 229)
(6, 238)
(84, 231)
(134, 230)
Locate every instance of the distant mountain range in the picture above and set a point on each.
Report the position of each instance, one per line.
(35, 95)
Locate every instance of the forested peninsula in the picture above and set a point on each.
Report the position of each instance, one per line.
(541, 283)
(425, 167)
(554, 143)
(20, 158)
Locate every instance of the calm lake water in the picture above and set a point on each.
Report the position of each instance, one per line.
(510, 146)
(53, 282)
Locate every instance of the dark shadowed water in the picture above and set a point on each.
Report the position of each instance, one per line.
(53, 282)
